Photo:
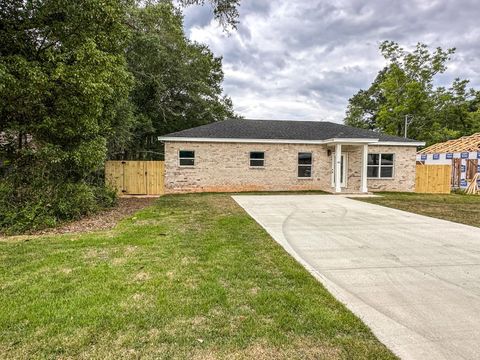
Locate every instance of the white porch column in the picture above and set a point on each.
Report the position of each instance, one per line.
(337, 169)
(363, 176)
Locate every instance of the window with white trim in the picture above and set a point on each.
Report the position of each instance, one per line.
(257, 159)
(304, 165)
(380, 166)
(186, 158)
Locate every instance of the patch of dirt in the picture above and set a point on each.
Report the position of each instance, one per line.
(103, 220)
(142, 276)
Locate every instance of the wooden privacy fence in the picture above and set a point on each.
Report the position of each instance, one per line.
(433, 179)
(135, 177)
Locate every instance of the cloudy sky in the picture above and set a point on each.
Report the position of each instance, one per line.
(303, 59)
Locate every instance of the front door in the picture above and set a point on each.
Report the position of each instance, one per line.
(343, 170)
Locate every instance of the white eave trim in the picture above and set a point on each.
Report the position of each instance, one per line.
(401, 143)
(351, 141)
(271, 141)
(344, 141)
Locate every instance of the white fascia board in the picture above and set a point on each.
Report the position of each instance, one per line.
(271, 141)
(234, 140)
(344, 141)
(400, 143)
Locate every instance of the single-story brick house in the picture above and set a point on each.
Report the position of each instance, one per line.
(274, 155)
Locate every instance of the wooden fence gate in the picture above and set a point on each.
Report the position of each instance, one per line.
(433, 179)
(135, 177)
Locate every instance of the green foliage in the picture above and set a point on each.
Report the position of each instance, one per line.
(79, 78)
(45, 203)
(364, 106)
(62, 82)
(63, 73)
(405, 88)
(225, 11)
(178, 83)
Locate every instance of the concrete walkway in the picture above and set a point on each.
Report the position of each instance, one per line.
(414, 280)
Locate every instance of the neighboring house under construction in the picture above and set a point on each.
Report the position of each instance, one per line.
(463, 154)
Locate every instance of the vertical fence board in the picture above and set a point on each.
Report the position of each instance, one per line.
(135, 177)
(155, 175)
(114, 175)
(433, 179)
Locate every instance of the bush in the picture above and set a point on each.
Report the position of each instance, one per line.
(38, 205)
(73, 201)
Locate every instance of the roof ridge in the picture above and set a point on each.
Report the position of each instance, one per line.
(284, 120)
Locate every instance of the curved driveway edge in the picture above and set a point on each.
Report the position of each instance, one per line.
(414, 280)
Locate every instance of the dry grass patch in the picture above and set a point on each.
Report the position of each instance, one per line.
(300, 349)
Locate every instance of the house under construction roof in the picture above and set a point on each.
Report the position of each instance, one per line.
(464, 144)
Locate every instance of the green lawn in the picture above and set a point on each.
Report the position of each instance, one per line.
(192, 277)
(463, 209)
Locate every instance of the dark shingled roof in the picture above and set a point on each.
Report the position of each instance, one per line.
(281, 130)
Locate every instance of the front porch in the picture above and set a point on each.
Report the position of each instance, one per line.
(345, 166)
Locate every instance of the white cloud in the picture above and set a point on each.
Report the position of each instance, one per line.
(304, 59)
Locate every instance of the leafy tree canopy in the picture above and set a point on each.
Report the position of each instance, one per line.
(405, 88)
(225, 11)
(78, 78)
(63, 75)
(177, 83)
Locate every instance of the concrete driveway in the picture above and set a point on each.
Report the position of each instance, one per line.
(414, 280)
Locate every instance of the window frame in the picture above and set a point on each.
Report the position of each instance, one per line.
(305, 165)
(180, 158)
(380, 166)
(250, 160)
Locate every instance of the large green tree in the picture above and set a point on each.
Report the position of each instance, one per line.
(177, 83)
(64, 82)
(63, 77)
(68, 91)
(405, 89)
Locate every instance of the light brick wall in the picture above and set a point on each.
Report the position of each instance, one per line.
(403, 172)
(224, 167)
